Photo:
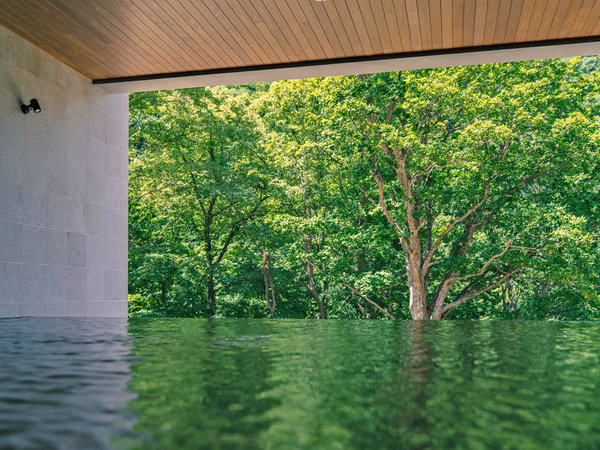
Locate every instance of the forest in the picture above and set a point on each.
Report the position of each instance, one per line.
(453, 193)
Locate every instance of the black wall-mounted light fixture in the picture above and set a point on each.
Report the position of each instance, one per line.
(33, 106)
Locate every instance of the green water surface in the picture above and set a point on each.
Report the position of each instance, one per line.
(365, 384)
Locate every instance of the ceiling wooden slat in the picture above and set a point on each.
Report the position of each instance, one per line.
(319, 13)
(447, 24)
(267, 32)
(579, 22)
(56, 44)
(436, 23)
(359, 25)
(248, 37)
(123, 40)
(534, 21)
(490, 22)
(547, 19)
(371, 25)
(425, 21)
(469, 22)
(311, 49)
(348, 47)
(561, 14)
(479, 26)
(402, 21)
(149, 33)
(314, 28)
(173, 25)
(391, 22)
(316, 36)
(571, 13)
(524, 19)
(381, 26)
(502, 20)
(513, 20)
(106, 39)
(300, 47)
(592, 20)
(412, 12)
(458, 30)
(200, 33)
(349, 26)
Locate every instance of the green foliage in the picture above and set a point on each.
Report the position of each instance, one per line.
(338, 181)
(238, 305)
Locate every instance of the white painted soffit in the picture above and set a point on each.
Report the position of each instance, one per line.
(464, 57)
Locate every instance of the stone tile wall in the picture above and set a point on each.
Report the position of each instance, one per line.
(63, 190)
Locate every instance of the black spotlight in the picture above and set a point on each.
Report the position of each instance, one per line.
(33, 106)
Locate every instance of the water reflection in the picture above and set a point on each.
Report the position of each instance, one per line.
(201, 383)
(298, 384)
(62, 383)
(179, 383)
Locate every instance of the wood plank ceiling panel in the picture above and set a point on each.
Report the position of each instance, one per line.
(425, 21)
(565, 11)
(380, 26)
(391, 22)
(479, 25)
(435, 12)
(458, 29)
(516, 10)
(345, 17)
(469, 22)
(414, 24)
(447, 35)
(274, 30)
(104, 39)
(572, 27)
(359, 24)
(592, 20)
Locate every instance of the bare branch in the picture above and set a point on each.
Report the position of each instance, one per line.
(386, 312)
(261, 250)
(488, 262)
(469, 296)
(525, 179)
(236, 227)
(382, 203)
(451, 225)
(143, 94)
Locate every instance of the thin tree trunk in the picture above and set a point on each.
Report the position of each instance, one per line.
(210, 288)
(210, 271)
(312, 285)
(269, 288)
(511, 298)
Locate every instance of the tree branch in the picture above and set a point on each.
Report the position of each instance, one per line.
(451, 225)
(469, 296)
(385, 311)
(261, 250)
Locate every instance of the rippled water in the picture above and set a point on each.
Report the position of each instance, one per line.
(63, 383)
(179, 383)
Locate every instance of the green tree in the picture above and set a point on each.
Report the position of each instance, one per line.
(463, 162)
(196, 158)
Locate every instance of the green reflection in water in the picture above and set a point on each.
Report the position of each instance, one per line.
(357, 384)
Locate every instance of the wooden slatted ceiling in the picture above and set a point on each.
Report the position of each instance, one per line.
(125, 38)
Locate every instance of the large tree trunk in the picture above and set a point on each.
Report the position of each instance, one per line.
(417, 290)
(417, 286)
